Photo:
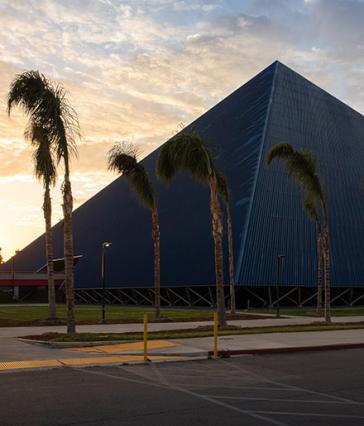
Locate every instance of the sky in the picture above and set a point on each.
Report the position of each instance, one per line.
(138, 70)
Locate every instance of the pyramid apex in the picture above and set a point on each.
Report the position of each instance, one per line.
(277, 62)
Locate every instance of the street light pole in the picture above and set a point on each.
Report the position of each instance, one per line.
(280, 259)
(103, 278)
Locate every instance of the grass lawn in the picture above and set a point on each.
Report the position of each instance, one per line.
(311, 312)
(190, 333)
(13, 315)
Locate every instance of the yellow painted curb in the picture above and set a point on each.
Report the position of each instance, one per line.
(47, 363)
(14, 365)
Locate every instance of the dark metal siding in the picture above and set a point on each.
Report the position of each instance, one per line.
(309, 118)
(234, 129)
(267, 206)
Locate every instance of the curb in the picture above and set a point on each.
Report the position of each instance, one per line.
(64, 345)
(262, 351)
(60, 363)
(70, 345)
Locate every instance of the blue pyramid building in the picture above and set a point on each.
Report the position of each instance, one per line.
(268, 219)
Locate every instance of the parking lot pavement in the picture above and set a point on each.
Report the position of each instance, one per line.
(315, 388)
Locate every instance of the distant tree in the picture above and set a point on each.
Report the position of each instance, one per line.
(189, 153)
(122, 158)
(46, 105)
(1, 258)
(225, 194)
(301, 165)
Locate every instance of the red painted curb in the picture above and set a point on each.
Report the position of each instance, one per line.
(227, 353)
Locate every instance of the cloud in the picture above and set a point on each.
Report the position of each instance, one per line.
(135, 69)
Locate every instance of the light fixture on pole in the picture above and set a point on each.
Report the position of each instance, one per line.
(280, 259)
(104, 246)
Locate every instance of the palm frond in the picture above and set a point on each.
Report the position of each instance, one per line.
(280, 151)
(309, 204)
(301, 165)
(122, 158)
(140, 182)
(44, 166)
(27, 91)
(166, 168)
(222, 186)
(63, 119)
(187, 153)
(46, 103)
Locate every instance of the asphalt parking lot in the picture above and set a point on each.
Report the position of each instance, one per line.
(310, 388)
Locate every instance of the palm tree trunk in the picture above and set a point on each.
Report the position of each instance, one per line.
(319, 266)
(157, 273)
(47, 211)
(68, 249)
(217, 233)
(231, 259)
(327, 266)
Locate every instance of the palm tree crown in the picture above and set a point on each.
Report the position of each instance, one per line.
(187, 153)
(301, 165)
(122, 158)
(46, 105)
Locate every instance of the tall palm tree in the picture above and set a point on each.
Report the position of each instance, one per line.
(46, 104)
(45, 171)
(312, 213)
(301, 165)
(122, 158)
(189, 153)
(225, 194)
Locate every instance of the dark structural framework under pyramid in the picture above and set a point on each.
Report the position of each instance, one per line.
(276, 105)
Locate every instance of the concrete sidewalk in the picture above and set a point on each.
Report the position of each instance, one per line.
(13, 350)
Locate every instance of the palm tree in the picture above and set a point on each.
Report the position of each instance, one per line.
(45, 171)
(189, 153)
(122, 158)
(225, 194)
(46, 104)
(312, 213)
(301, 165)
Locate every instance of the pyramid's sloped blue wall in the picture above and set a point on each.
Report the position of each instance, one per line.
(307, 117)
(268, 218)
(234, 130)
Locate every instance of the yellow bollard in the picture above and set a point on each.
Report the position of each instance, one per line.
(216, 334)
(145, 337)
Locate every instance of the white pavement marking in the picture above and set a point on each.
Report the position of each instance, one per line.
(188, 392)
(291, 387)
(308, 401)
(160, 377)
(306, 414)
(206, 397)
(239, 387)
